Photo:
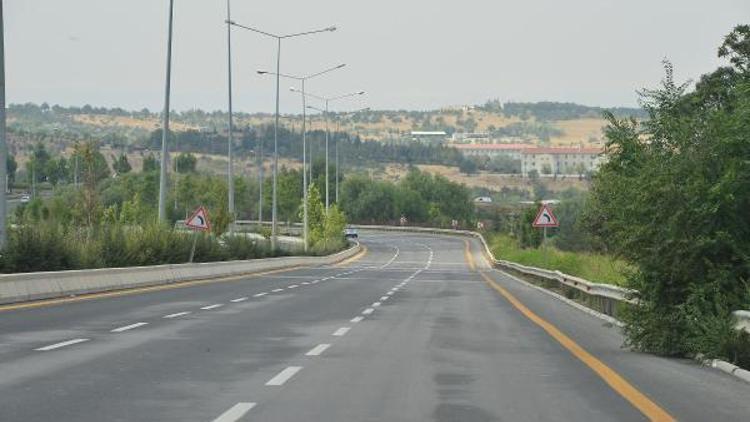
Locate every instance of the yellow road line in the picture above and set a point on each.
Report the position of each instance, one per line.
(650, 409)
(356, 257)
(469, 257)
(139, 290)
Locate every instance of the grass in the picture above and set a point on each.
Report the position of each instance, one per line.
(593, 267)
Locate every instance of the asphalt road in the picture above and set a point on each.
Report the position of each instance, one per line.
(418, 329)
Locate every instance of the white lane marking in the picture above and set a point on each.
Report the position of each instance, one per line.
(177, 315)
(341, 331)
(209, 307)
(260, 294)
(317, 350)
(305, 283)
(368, 311)
(357, 319)
(62, 344)
(389, 293)
(315, 282)
(383, 298)
(376, 304)
(235, 412)
(129, 327)
(293, 286)
(239, 299)
(392, 259)
(283, 376)
(277, 290)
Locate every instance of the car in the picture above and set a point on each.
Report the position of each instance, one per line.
(351, 233)
(25, 198)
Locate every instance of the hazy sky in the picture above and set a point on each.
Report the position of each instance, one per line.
(413, 54)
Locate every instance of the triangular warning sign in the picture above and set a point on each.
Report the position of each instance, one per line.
(199, 220)
(545, 218)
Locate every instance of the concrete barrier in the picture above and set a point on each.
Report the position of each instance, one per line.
(54, 284)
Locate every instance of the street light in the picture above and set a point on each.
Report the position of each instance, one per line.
(327, 100)
(276, 120)
(230, 166)
(165, 125)
(302, 80)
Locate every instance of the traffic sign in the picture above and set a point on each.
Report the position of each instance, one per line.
(199, 220)
(545, 218)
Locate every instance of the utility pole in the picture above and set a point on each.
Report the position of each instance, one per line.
(3, 144)
(165, 125)
(230, 170)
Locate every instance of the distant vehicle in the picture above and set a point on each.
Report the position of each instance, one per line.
(483, 199)
(25, 198)
(350, 233)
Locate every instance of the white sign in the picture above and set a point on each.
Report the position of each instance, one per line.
(199, 220)
(545, 218)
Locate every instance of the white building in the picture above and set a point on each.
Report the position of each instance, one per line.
(563, 161)
(491, 150)
(437, 136)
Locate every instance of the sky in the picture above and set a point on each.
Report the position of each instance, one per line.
(407, 54)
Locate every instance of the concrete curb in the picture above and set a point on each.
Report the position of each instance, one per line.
(25, 287)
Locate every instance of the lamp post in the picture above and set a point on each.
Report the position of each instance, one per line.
(327, 100)
(230, 166)
(302, 80)
(165, 125)
(278, 39)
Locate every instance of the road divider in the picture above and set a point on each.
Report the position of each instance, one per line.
(60, 286)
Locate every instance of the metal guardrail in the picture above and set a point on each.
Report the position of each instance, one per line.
(606, 295)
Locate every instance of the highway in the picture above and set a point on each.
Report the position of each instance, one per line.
(418, 328)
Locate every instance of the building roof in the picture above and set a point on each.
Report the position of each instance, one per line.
(501, 147)
(564, 150)
(428, 133)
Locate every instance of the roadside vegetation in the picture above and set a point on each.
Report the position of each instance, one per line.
(673, 199)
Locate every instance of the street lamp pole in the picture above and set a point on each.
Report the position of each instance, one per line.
(327, 100)
(3, 145)
(230, 166)
(165, 124)
(302, 80)
(276, 120)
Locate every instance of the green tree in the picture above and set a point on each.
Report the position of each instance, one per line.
(185, 163)
(672, 199)
(121, 165)
(150, 163)
(11, 167)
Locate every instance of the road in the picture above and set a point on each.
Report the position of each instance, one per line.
(417, 329)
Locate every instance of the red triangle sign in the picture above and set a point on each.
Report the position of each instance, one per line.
(199, 220)
(545, 218)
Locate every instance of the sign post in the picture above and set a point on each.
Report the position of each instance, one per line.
(545, 218)
(198, 221)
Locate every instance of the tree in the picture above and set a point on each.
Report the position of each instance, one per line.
(468, 166)
(185, 163)
(121, 165)
(672, 200)
(150, 163)
(546, 168)
(11, 166)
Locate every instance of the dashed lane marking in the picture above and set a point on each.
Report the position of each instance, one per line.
(282, 377)
(129, 327)
(61, 344)
(235, 412)
(341, 331)
(318, 350)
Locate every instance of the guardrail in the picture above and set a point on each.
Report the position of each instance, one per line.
(54, 284)
(602, 297)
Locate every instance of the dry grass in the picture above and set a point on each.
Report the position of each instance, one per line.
(148, 124)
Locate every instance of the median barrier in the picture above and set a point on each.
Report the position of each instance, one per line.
(25, 287)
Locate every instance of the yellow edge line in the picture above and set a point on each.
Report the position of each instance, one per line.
(650, 409)
(139, 290)
(356, 257)
(468, 256)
